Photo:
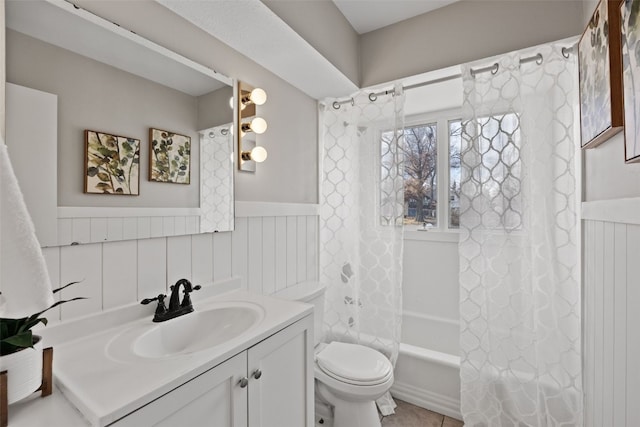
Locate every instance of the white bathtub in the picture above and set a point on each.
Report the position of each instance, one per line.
(427, 373)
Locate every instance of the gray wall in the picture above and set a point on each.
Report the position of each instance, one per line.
(606, 176)
(292, 116)
(464, 32)
(214, 109)
(324, 27)
(95, 96)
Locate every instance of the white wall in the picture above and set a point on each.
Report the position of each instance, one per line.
(610, 313)
(430, 292)
(611, 249)
(269, 253)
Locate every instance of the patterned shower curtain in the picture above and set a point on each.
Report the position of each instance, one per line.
(519, 248)
(362, 201)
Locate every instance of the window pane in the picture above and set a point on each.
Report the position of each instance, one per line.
(455, 141)
(420, 184)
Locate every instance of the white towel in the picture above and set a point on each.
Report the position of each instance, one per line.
(24, 279)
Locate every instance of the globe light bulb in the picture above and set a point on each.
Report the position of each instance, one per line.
(259, 154)
(258, 125)
(258, 96)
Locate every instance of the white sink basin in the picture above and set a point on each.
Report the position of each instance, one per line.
(190, 333)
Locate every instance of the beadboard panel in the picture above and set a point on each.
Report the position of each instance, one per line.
(268, 253)
(95, 225)
(119, 270)
(98, 225)
(611, 315)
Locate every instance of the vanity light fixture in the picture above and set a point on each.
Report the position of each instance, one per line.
(250, 125)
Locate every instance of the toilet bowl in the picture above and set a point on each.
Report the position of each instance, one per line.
(349, 377)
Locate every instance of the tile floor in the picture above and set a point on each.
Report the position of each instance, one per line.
(408, 415)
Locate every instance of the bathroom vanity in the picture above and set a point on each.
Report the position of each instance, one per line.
(241, 359)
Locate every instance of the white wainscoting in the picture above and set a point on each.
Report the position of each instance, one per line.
(268, 253)
(611, 313)
(96, 225)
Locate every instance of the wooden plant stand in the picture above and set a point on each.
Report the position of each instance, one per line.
(46, 387)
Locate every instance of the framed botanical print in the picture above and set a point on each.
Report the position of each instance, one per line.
(169, 157)
(599, 60)
(630, 40)
(112, 164)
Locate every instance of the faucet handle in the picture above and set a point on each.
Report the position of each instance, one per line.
(161, 308)
(150, 300)
(186, 300)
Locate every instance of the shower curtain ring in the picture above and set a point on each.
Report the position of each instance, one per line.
(373, 97)
(539, 59)
(495, 68)
(336, 105)
(566, 51)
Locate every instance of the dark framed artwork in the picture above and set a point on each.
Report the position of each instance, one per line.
(630, 40)
(112, 164)
(600, 63)
(169, 157)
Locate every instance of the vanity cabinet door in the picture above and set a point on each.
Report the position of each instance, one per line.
(213, 399)
(280, 371)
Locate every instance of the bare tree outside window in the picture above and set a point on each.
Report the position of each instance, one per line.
(455, 143)
(420, 146)
(420, 174)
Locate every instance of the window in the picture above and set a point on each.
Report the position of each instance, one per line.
(432, 181)
(455, 144)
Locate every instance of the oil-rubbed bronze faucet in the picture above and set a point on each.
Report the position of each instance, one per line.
(176, 308)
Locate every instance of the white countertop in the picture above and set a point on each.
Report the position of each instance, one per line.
(100, 387)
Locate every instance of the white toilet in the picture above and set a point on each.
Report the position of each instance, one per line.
(350, 377)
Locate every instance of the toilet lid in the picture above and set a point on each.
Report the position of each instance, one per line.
(354, 363)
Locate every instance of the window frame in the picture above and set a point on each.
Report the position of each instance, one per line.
(442, 118)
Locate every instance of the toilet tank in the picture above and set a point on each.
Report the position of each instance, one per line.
(310, 293)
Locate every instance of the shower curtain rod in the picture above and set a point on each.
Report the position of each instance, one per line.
(538, 58)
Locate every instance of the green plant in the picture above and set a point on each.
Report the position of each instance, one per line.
(16, 334)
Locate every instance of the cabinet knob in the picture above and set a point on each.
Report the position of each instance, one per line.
(257, 374)
(244, 381)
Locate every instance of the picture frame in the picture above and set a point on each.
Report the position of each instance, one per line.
(112, 164)
(630, 47)
(169, 157)
(600, 76)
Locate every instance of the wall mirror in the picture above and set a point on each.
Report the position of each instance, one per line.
(69, 72)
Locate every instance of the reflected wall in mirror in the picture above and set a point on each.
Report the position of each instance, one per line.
(109, 79)
(216, 174)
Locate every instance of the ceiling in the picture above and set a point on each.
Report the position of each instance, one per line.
(271, 42)
(369, 15)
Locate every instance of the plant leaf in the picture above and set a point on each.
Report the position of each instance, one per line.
(66, 286)
(30, 323)
(55, 305)
(23, 340)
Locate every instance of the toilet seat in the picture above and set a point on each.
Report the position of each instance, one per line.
(354, 364)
